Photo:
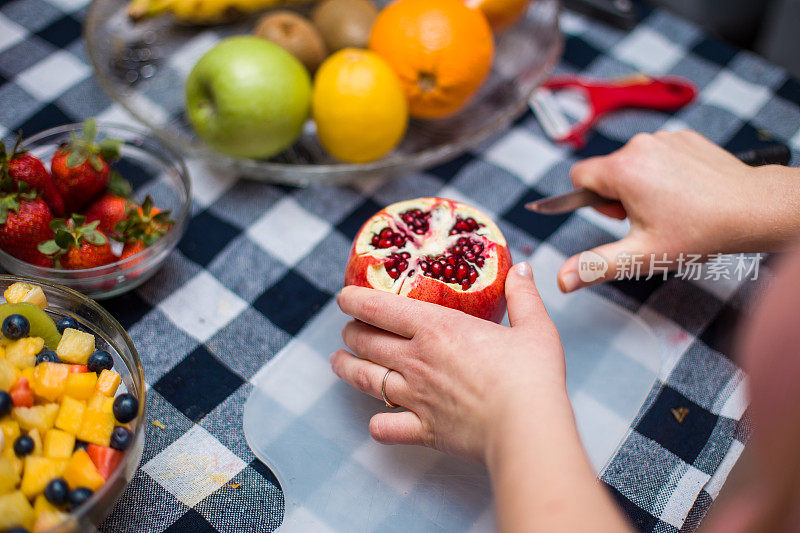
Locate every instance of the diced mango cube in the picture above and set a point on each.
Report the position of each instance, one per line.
(75, 347)
(8, 374)
(11, 431)
(22, 352)
(41, 417)
(15, 461)
(70, 415)
(80, 386)
(58, 444)
(101, 402)
(25, 292)
(49, 380)
(38, 472)
(107, 382)
(81, 472)
(15, 510)
(96, 427)
(9, 477)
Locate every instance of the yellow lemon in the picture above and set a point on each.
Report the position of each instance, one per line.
(358, 105)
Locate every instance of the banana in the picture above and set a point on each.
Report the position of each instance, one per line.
(201, 12)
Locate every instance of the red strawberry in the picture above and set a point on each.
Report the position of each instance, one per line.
(109, 210)
(144, 224)
(23, 167)
(132, 248)
(80, 167)
(78, 245)
(25, 223)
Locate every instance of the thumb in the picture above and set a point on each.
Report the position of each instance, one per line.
(598, 264)
(524, 303)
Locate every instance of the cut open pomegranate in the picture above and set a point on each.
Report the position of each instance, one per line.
(436, 250)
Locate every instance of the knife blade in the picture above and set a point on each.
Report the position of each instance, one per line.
(773, 154)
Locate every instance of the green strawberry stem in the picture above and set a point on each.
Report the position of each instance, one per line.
(86, 147)
(70, 233)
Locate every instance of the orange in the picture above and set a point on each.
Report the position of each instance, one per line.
(500, 13)
(441, 50)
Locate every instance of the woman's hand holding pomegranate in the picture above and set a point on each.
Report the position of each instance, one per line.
(456, 374)
(684, 194)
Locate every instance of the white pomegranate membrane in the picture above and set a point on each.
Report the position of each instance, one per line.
(430, 239)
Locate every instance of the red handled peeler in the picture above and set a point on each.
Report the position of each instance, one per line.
(601, 97)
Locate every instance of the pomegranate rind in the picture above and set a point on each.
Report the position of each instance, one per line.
(485, 298)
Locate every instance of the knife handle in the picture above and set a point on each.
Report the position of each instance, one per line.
(770, 154)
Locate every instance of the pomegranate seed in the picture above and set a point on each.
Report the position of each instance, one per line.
(398, 240)
(423, 265)
(393, 273)
(449, 270)
(452, 260)
(405, 255)
(462, 271)
(469, 256)
(465, 284)
(436, 268)
(462, 241)
(479, 261)
(375, 240)
(477, 248)
(473, 275)
(386, 233)
(384, 243)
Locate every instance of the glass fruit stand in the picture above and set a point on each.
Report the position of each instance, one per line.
(143, 66)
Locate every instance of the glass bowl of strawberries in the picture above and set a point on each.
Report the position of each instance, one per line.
(72, 404)
(94, 207)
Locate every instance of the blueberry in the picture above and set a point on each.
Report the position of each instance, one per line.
(67, 322)
(6, 403)
(57, 491)
(16, 326)
(81, 445)
(23, 446)
(121, 438)
(125, 407)
(47, 356)
(78, 496)
(100, 360)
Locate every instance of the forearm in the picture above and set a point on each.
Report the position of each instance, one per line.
(770, 219)
(541, 476)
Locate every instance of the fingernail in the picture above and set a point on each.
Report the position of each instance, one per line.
(569, 282)
(523, 269)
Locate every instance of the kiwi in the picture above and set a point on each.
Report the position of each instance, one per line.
(41, 323)
(295, 34)
(345, 23)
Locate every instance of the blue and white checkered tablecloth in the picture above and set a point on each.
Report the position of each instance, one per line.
(258, 261)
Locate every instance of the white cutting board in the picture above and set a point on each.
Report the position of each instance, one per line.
(311, 429)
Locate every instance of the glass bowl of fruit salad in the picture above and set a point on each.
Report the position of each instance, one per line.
(97, 207)
(72, 399)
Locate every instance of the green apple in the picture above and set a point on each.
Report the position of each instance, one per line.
(248, 97)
